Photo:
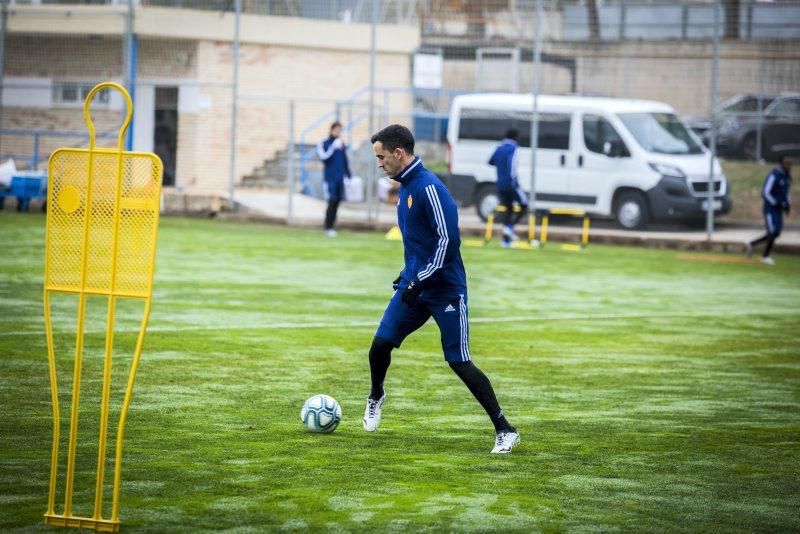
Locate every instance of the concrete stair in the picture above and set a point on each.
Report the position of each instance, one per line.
(273, 172)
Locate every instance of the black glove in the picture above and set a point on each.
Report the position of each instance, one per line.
(411, 292)
(786, 207)
(396, 283)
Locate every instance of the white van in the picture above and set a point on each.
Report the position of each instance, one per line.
(630, 159)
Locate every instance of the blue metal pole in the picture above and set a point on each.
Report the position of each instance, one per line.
(35, 158)
(535, 88)
(372, 176)
(234, 101)
(134, 63)
(131, 62)
(714, 125)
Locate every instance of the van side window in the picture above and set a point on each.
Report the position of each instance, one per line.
(491, 125)
(554, 130)
(597, 131)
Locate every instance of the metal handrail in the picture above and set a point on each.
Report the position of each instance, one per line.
(308, 155)
(351, 99)
(33, 159)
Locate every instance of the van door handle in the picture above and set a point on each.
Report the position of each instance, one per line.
(563, 160)
(580, 160)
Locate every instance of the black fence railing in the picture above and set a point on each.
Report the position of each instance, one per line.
(685, 21)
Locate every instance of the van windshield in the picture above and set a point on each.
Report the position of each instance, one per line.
(663, 133)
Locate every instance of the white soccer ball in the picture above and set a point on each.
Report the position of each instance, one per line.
(321, 413)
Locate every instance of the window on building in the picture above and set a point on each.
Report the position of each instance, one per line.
(73, 94)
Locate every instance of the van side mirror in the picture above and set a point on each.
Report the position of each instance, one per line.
(612, 149)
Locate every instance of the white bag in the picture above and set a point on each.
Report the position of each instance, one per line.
(7, 170)
(354, 189)
(384, 185)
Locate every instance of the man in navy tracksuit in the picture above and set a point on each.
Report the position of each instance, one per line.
(432, 283)
(331, 152)
(776, 201)
(504, 160)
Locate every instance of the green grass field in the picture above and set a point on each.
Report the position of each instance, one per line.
(652, 394)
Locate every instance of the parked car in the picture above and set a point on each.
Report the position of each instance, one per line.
(739, 118)
(630, 159)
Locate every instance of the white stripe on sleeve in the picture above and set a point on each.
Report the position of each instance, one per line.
(767, 187)
(514, 164)
(441, 229)
(322, 153)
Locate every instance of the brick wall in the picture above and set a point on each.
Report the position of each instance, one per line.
(57, 56)
(280, 58)
(675, 72)
(87, 59)
(52, 119)
(269, 76)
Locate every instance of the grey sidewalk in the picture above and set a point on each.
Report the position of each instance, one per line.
(272, 206)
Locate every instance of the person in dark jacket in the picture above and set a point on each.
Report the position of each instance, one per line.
(433, 282)
(504, 159)
(332, 153)
(776, 201)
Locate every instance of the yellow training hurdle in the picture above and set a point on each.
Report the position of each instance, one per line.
(531, 242)
(102, 221)
(489, 230)
(574, 213)
(487, 236)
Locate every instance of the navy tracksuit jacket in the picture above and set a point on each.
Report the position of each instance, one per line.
(505, 160)
(336, 168)
(776, 189)
(428, 219)
(775, 194)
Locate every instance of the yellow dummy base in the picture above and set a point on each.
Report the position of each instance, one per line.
(99, 525)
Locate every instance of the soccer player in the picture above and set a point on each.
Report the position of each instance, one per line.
(776, 201)
(331, 152)
(432, 283)
(504, 160)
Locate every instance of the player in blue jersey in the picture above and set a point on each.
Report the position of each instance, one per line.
(332, 153)
(432, 283)
(504, 159)
(775, 193)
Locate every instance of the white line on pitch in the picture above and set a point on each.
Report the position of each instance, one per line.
(479, 320)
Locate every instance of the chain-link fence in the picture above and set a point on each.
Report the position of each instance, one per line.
(301, 64)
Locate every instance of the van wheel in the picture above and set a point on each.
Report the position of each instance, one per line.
(486, 201)
(631, 211)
